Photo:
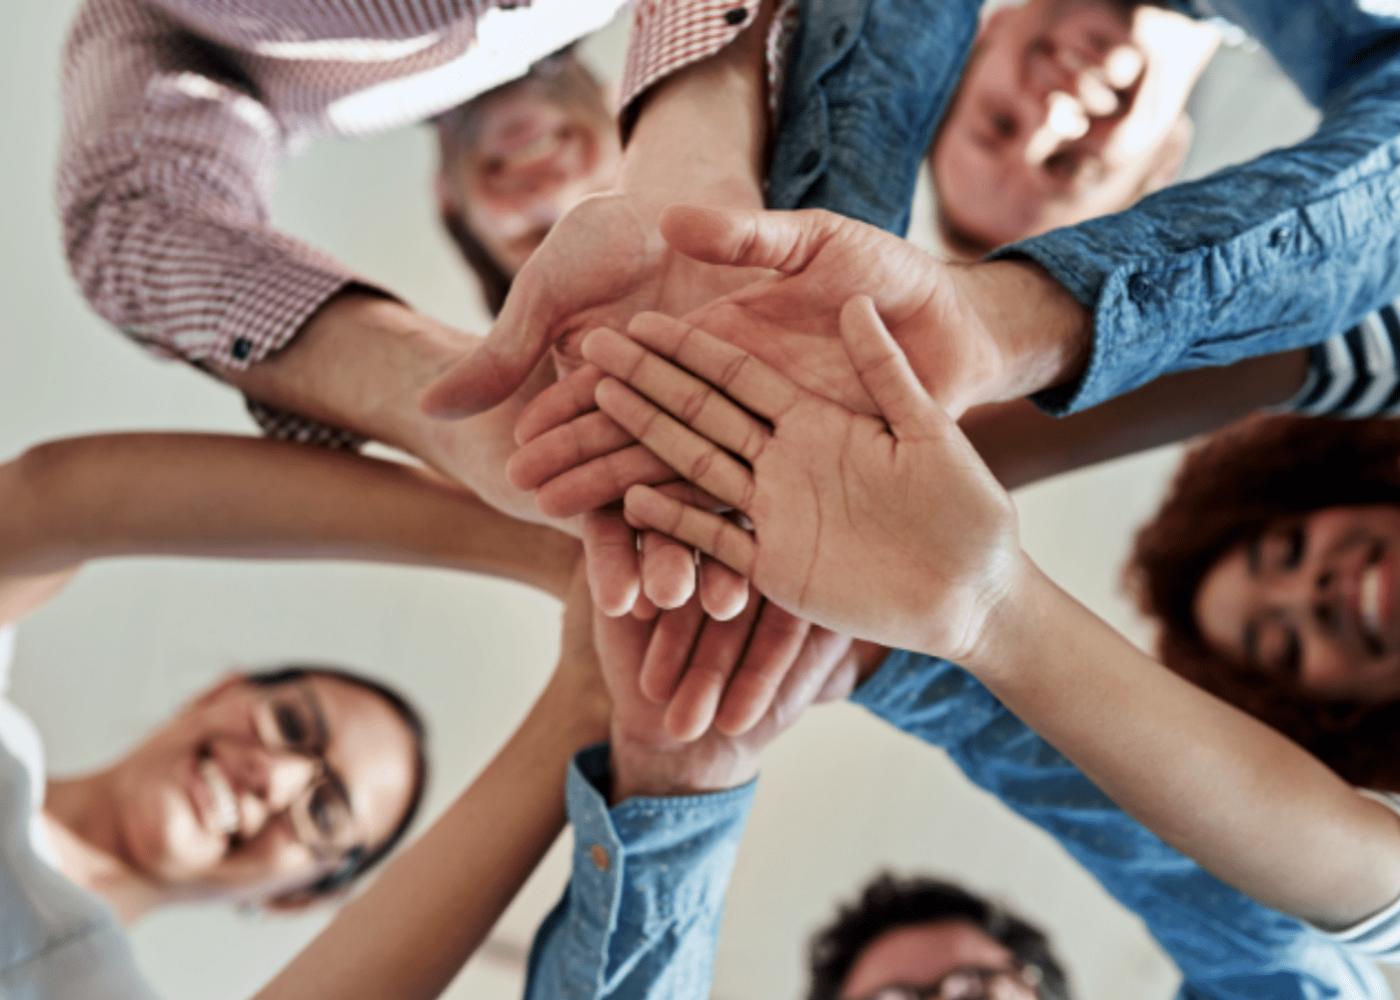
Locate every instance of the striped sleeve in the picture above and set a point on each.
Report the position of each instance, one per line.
(1355, 374)
(669, 35)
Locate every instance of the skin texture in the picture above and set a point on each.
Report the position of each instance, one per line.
(153, 813)
(920, 954)
(1312, 602)
(1068, 109)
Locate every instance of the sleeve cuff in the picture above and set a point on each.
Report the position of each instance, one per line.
(669, 35)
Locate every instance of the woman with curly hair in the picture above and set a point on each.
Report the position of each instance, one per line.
(1271, 568)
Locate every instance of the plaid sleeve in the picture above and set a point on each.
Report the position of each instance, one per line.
(1355, 374)
(669, 35)
(165, 177)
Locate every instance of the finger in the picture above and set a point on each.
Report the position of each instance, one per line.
(885, 372)
(558, 404)
(723, 592)
(563, 448)
(783, 241)
(690, 455)
(703, 363)
(710, 533)
(824, 669)
(718, 651)
(643, 610)
(774, 644)
(601, 481)
(501, 363)
(611, 554)
(674, 636)
(668, 570)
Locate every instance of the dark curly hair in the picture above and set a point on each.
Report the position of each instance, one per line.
(890, 902)
(1228, 491)
(360, 860)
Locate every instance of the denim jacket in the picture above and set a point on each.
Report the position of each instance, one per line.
(644, 923)
(1282, 252)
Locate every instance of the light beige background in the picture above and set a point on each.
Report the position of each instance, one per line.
(841, 797)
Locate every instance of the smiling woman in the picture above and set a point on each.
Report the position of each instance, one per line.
(1271, 568)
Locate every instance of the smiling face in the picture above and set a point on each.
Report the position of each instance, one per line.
(518, 158)
(216, 803)
(1065, 112)
(920, 955)
(1312, 602)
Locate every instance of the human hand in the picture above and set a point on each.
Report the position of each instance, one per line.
(964, 330)
(890, 530)
(660, 751)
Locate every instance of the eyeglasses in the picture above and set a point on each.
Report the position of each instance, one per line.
(289, 720)
(969, 983)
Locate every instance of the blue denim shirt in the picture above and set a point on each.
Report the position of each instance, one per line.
(1281, 252)
(647, 926)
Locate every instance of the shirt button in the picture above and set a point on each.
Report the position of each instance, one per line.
(1278, 237)
(736, 15)
(242, 347)
(599, 854)
(1139, 286)
(809, 162)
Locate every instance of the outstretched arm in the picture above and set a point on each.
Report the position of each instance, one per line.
(68, 501)
(844, 535)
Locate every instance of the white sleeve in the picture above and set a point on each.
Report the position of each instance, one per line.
(1355, 374)
(7, 654)
(1377, 936)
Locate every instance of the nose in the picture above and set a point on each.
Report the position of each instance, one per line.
(269, 783)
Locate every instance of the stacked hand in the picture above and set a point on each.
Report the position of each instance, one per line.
(888, 529)
(956, 324)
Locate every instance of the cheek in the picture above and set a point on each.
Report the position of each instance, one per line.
(165, 838)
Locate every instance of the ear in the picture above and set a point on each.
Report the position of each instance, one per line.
(229, 680)
(1171, 155)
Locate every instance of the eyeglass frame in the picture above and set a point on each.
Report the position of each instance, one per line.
(347, 860)
(1028, 975)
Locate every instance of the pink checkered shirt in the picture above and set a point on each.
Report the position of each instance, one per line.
(177, 113)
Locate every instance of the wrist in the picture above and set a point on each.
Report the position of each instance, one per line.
(642, 770)
(1043, 336)
(1010, 629)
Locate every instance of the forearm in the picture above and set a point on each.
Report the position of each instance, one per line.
(703, 130)
(231, 497)
(1248, 804)
(1022, 445)
(409, 934)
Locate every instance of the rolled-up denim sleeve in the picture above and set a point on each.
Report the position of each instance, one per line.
(1285, 251)
(640, 916)
(1227, 946)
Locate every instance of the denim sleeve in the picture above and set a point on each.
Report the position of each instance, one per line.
(866, 85)
(1227, 946)
(640, 915)
(1281, 252)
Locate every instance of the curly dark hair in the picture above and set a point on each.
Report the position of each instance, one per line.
(890, 902)
(361, 860)
(1228, 491)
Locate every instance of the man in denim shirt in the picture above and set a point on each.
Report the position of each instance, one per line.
(645, 923)
(1281, 252)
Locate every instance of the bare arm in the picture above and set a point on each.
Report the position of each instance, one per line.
(408, 935)
(1022, 445)
(68, 501)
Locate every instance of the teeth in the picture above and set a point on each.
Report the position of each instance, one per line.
(541, 147)
(1370, 601)
(225, 804)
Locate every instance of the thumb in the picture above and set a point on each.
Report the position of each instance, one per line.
(497, 367)
(782, 241)
(885, 372)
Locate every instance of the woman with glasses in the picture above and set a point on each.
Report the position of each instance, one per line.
(275, 788)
